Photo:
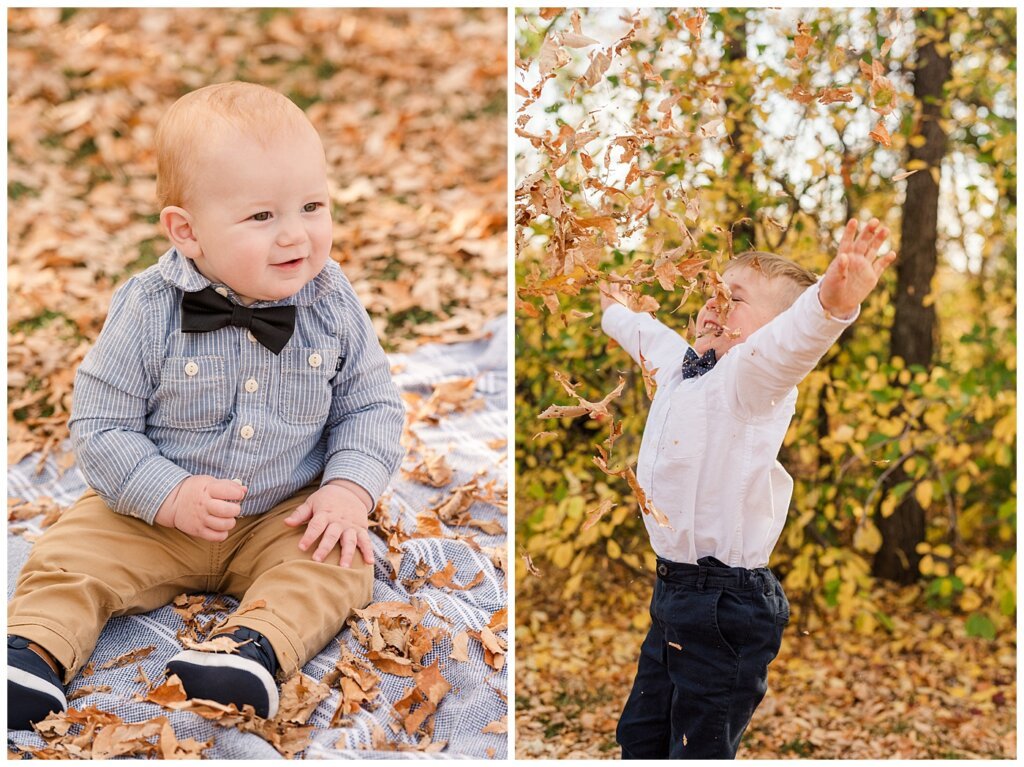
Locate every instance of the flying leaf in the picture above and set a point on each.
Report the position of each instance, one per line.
(594, 516)
(803, 40)
(881, 135)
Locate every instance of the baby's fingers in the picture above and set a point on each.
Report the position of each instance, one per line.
(365, 546)
(349, 541)
(300, 516)
(314, 530)
(222, 509)
(330, 537)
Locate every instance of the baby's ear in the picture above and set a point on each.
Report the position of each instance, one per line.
(177, 222)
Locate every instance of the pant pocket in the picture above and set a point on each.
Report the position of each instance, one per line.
(781, 606)
(730, 617)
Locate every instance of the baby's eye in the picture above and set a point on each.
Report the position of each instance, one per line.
(312, 207)
(263, 215)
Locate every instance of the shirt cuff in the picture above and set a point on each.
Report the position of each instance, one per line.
(828, 315)
(148, 487)
(369, 473)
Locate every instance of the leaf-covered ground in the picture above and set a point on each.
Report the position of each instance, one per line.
(411, 106)
(928, 692)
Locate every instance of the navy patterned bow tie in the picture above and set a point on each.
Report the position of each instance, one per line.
(694, 366)
(208, 310)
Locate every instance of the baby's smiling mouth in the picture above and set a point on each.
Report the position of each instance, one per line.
(292, 263)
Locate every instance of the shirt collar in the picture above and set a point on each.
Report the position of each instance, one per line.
(181, 272)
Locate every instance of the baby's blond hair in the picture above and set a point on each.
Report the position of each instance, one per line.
(249, 109)
(789, 278)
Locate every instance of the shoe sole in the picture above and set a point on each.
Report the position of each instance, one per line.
(43, 696)
(192, 667)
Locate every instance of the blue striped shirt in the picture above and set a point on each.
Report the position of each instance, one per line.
(153, 405)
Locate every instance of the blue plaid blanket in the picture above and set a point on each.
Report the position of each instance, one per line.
(472, 441)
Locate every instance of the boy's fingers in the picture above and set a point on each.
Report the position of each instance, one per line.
(883, 263)
(227, 509)
(865, 237)
(365, 546)
(842, 264)
(226, 490)
(300, 516)
(313, 531)
(330, 537)
(849, 234)
(349, 540)
(219, 524)
(877, 240)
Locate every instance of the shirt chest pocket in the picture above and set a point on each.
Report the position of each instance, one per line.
(685, 431)
(305, 394)
(193, 393)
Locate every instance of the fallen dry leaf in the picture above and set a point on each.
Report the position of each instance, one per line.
(129, 657)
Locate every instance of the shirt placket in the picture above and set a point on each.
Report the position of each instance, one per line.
(253, 405)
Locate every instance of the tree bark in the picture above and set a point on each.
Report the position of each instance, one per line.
(914, 324)
(737, 107)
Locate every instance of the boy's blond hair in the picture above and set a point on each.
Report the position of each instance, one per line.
(252, 110)
(788, 278)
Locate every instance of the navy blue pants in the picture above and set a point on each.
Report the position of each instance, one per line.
(704, 664)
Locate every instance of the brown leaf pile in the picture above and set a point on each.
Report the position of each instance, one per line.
(411, 106)
(396, 642)
(94, 734)
(927, 692)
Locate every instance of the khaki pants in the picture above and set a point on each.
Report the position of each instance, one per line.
(94, 564)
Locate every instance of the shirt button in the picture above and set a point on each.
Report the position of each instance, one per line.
(315, 360)
(221, 291)
(252, 385)
(246, 432)
(191, 368)
(250, 336)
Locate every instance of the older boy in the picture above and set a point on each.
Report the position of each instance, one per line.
(708, 461)
(236, 393)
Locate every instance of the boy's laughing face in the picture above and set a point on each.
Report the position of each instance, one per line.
(754, 304)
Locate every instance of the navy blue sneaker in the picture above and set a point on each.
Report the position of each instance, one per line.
(33, 689)
(243, 678)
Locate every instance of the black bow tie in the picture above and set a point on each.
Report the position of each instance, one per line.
(208, 310)
(695, 366)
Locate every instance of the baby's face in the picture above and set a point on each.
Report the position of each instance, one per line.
(261, 214)
(754, 304)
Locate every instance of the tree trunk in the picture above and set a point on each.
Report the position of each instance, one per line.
(914, 326)
(737, 107)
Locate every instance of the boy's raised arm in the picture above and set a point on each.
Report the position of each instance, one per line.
(779, 356)
(639, 333)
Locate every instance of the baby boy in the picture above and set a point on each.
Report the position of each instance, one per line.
(235, 422)
(708, 461)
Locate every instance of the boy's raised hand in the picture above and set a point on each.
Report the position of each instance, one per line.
(856, 269)
(611, 293)
(336, 513)
(203, 507)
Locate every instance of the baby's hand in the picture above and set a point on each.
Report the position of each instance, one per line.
(203, 507)
(336, 512)
(855, 271)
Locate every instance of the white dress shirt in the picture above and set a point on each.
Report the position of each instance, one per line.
(709, 454)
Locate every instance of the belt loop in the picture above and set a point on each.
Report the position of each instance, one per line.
(702, 576)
